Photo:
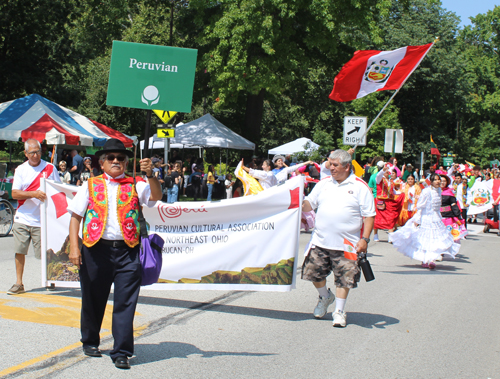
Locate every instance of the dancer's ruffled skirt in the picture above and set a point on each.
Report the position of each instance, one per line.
(426, 242)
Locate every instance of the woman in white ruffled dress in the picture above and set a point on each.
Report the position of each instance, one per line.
(425, 237)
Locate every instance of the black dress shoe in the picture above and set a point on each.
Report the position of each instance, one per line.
(122, 362)
(92, 351)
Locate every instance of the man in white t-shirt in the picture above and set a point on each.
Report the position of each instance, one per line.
(26, 190)
(344, 220)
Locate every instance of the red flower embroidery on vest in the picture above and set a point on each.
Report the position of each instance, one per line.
(99, 188)
(94, 228)
(134, 203)
(100, 197)
(124, 197)
(129, 228)
(126, 188)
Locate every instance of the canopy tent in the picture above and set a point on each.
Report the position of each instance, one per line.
(36, 117)
(299, 145)
(159, 143)
(207, 131)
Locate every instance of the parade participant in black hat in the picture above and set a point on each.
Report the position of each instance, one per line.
(108, 205)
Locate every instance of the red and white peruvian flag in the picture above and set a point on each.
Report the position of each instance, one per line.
(426, 183)
(350, 251)
(373, 70)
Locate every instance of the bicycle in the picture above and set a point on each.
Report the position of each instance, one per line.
(6, 209)
(6, 217)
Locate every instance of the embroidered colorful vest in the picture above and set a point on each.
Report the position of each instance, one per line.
(385, 189)
(97, 212)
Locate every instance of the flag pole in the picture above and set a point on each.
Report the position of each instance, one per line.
(376, 118)
(392, 97)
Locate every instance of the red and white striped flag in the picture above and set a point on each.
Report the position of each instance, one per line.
(426, 183)
(373, 70)
(350, 251)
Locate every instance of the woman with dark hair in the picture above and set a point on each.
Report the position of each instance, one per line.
(393, 161)
(411, 192)
(450, 212)
(425, 237)
(388, 204)
(210, 182)
(265, 176)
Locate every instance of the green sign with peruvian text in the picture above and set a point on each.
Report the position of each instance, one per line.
(151, 77)
(448, 161)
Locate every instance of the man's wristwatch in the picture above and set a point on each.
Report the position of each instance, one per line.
(366, 239)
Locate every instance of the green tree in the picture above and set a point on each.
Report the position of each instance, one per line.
(259, 47)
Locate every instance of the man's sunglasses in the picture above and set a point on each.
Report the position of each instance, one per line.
(112, 157)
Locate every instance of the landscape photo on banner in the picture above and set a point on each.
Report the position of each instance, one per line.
(248, 243)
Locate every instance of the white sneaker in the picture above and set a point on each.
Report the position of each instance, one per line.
(323, 304)
(375, 238)
(339, 319)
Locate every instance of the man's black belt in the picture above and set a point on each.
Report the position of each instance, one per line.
(118, 243)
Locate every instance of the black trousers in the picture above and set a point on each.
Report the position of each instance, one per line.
(464, 216)
(103, 265)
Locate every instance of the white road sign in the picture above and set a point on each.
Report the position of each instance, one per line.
(389, 140)
(354, 129)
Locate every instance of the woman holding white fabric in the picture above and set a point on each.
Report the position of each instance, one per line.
(425, 237)
(265, 176)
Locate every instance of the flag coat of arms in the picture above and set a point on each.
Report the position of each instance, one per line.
(373, 70)
(350, 251)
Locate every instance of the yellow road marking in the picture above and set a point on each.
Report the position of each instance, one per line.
(19, 308)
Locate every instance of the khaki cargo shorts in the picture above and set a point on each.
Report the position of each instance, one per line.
(320, 262)
(23, 234)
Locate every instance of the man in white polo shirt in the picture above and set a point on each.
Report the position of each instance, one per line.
(344, 220)
(26, 190)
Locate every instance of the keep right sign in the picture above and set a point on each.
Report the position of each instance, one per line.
(354, 129)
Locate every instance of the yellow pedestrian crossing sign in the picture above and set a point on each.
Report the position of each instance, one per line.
(165, 133)
(165, 116)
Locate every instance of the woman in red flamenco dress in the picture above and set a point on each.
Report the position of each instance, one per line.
(388, 204)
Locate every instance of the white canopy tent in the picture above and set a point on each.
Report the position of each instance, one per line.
(207, 131)
(299, 145)
(159, 143)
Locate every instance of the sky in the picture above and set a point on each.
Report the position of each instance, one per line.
(467, 8)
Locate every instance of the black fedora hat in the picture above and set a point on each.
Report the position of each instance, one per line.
(114, 145)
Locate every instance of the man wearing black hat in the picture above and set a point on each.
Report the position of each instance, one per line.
(108, 205)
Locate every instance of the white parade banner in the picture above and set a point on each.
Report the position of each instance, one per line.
(481, 197)
(248, 243)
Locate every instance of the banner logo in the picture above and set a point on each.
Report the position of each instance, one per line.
(176, 211)
(378, 72)
(150, 95)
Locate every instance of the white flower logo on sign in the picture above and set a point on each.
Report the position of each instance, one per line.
(150, 95)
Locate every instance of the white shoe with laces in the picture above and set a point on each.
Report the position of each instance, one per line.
(375, 238)
(339, 319)
(323, 304)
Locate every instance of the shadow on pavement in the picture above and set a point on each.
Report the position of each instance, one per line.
(370, 320)
(204, 306)
(441, 267)
(149, 353)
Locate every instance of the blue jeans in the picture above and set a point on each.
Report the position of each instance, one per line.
(210, 189)
(172, 194)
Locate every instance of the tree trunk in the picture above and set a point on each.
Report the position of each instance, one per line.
(253, 117)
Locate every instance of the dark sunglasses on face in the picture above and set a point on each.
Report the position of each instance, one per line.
(111, 157)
